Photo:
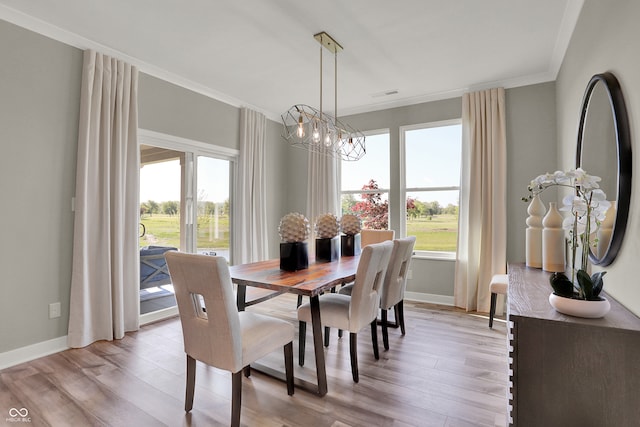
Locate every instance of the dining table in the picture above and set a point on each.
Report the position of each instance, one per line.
(310, 282)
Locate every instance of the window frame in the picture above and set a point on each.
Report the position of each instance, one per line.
(387, 191)
(438, 255)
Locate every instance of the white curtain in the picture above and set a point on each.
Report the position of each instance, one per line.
(104, 301)
(250, 229)
(482, 234)
(323, 190)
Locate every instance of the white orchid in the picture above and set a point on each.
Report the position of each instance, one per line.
(587, 206)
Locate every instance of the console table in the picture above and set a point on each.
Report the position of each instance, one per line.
(568, 371)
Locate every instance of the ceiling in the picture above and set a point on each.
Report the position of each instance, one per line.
(262, 53)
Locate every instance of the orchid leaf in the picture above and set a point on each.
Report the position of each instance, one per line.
(598, 283)
(586, 285)
(561, 285)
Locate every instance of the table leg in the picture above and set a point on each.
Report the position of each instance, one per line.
(321, 371)
(241, 297)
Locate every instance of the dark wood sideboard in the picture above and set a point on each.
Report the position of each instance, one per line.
(567, 371)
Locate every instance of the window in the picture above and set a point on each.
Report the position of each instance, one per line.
(365, 183)
(432, 157)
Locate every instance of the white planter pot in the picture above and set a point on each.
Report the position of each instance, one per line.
(578, 307)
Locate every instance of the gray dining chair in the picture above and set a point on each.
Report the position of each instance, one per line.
(352, 313)
(216, 333)
(394, 285)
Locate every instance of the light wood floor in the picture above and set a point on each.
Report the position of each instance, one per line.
(449, 370)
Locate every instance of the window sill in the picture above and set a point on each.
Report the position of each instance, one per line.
(435, 256)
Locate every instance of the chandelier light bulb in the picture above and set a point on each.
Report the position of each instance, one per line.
(316, 133)
(300, 127)
(327, 139)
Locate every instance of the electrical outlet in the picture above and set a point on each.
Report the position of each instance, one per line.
(410, 275)
(54, 310)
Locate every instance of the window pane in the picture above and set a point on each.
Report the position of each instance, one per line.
(213, 207)
(433, 156)
(373, 166)
(372, 209)
(432, 216)
(160, 200)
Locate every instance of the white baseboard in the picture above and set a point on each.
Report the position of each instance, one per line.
(33, 351)
(430, 298)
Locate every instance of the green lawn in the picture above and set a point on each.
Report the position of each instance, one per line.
(164, 230)
(440, 233)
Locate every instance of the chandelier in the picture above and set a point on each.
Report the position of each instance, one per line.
(317, 131)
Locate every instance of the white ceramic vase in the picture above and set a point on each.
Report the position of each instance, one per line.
(553, 241)
(533, 237)
(579, 307)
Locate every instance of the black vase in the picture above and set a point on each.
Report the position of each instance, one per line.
(327, 250)
(350, 244)
(294, 256)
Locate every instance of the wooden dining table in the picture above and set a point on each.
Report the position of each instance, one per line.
(311, 282)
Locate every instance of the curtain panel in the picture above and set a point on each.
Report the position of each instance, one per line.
(104, 301)
(323, 190)
(482, 233)
(250, 228)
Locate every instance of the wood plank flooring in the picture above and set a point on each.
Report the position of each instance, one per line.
(449, 370)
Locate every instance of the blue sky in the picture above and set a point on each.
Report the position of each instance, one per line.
(433, 160)
(160, 182)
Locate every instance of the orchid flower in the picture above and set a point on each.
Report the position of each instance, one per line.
(587, 207)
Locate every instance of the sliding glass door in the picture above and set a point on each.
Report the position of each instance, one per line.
(185, 205)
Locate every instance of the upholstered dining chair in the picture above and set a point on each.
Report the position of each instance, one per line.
(355, 312)
(217, 334)
(368, 237)
(394, 285)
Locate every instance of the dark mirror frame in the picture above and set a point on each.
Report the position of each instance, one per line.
(623, 147)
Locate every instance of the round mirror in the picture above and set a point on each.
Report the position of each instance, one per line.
(604, 150)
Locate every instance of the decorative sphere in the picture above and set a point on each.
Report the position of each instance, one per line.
(327, 226)
(351, 224)
(294, 227)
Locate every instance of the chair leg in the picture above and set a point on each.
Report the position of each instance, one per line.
(374, 338)
(288, 366)
(327, 331)
(339, 333)
(385, 330)
(492, 310)
(353, 350)
(191, 383)
(247, 371)
(302, 337)
(236, 398)
(399, 311)
(299, 301)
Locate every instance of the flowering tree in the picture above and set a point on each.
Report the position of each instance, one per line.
(373, 211)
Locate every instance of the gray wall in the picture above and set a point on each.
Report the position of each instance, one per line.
(170, 109)
(531, 151)
(606, 39)
(39, 105)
